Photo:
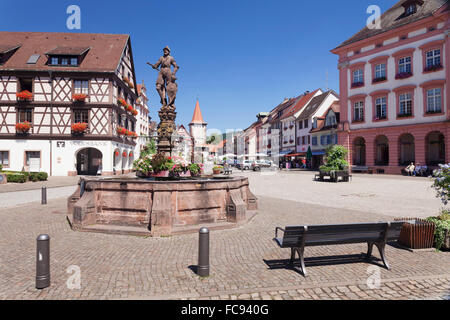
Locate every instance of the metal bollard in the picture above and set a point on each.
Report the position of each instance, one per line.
(43, 261)
(44, 195)
(203, 253)
(82, 187)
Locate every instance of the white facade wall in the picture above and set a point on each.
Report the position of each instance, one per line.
(288, 134)
(418, 78)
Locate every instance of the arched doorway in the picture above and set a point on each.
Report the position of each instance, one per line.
(406, 149)
(435, 148)
(359, 152)
(381, 151)
(89, 161)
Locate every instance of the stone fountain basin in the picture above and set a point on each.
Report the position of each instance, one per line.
(150, 207)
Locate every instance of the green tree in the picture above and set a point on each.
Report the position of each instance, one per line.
(335, 159)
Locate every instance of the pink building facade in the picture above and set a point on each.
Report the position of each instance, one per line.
(394, 89)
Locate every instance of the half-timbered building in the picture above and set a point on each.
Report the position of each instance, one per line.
(67, 103)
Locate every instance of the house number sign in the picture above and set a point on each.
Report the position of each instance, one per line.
(60, 144)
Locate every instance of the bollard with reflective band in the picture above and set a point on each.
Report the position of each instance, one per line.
(43, 261)
(203, 253)
(44, 195)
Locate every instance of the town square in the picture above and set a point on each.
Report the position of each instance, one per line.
(143, 163)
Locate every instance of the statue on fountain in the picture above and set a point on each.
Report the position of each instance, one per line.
(167, 89)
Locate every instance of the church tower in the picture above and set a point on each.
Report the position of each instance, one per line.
(197, 129)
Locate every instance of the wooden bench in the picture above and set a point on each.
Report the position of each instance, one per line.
(362, 169)
(378, 234)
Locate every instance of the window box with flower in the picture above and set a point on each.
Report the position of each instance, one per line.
(403, 75)
(121, 131)
(24, 96)
(380, 79)
(79, 128)
(357, 84)
(23, 127)
(79, 97)
(432, 68)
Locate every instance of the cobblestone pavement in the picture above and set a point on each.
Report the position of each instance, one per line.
(245, 262)
(391, 195)
(52, 182)
(11, 199)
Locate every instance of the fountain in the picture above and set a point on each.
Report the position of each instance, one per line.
(161, 206)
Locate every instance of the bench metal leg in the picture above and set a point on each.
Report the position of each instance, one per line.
(291, 262)
(300, 252)
(369, 250)
(381, 247)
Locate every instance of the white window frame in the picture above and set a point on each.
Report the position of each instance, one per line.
(404, 65)
(380, 107)
(433, 57)
(358, 76)
(358, 111)
(435, 97)
(380, 71)
(405, 104)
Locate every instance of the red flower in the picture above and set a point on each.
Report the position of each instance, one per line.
(24, 95)
(79, 127)
(116, 153)
(134, 112)
(124, 154)
(122, 102)
(121, 131)
(131, 154)
(79, 97)
(129, 108)
(23, 127)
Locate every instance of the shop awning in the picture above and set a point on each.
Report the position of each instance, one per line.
(318, 153)
(297, 154)
(283, 153)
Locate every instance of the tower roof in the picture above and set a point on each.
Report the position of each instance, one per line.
(197, 118)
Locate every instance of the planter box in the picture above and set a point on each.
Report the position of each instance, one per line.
(162, 174)
(417, 233)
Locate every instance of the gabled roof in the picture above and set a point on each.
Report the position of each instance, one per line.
(299, 105)
(315, 104)
(274, 114)
(104, 54)
(394, 18)
(197, 118)
(335, 107)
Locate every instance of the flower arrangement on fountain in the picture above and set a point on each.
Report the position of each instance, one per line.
(161, 166)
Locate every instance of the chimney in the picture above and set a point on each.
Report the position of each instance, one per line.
(306, 93)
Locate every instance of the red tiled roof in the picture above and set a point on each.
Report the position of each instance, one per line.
(301, 103)
(197, 118)
(103, 56)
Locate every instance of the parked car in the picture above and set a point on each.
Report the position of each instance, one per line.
(245, 165)
(263, 164)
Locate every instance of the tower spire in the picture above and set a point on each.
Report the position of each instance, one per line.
(197, 118)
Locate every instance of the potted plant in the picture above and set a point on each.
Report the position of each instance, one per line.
(23, 127)
(79, 128)
(161, 165)
(79, 97)
(24, 95)
(217, 169)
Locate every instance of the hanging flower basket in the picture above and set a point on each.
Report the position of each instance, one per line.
(23, 127)
(124, 154)
(116, 153)
(79, 128)
(131, 154)
(134, 112)
(79, 97)
(24, 95)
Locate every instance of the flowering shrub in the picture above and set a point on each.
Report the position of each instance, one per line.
(196, 169)
(79, 127)
(24, 95)
(23, 127)
(144, 164)
(161, 163)
(442, 225)
(79, 97)
(441, 182)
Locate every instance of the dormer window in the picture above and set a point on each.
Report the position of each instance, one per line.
(411, 9)
(67, 56)
(6, 51)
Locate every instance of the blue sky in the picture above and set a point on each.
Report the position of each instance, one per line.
(240, 57)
